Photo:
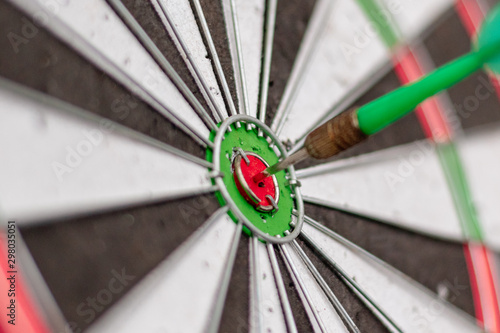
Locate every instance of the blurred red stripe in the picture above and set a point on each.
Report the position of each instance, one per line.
(28, 319)
(471, 14)
(433, 121)
(429, 113)
(480, 264)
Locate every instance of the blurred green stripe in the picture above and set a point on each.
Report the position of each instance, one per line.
(459, 187)
(382, 22)
(451, 163)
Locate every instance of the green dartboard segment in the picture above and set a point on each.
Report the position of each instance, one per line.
(275, 223)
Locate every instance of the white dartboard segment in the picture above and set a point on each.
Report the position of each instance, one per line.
(342, 56)
(411, 17)
(278, 278)
(96, 32)
(188, 34)
(57, 163)
(265, 306)
(403, 186)
(251, 21)
(407, 303)
(336, 57)
(321, 312)
(245, 27)
(179, 295)
(480, 158)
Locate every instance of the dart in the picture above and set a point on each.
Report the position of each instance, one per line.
(355, 125)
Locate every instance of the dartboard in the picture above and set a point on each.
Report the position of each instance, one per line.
(129, 131)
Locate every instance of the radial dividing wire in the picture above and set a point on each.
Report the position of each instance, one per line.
(255, 286)
(118, 73)
(353, 285)
(306, 297)
(91, 117)
(160, 59)
(267, 57)
(285, 304)
(310, 42)
(326, 289)
(195, 237)
(240, 80)
(218, 307)
(195, 71)
(215, 58)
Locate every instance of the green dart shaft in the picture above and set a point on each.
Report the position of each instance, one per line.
(383, 111)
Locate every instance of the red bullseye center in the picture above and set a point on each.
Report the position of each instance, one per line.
(259, 189)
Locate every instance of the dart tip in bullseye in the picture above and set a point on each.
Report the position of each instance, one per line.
(296, 157)
(260, 176)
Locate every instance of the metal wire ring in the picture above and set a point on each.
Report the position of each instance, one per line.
(229, 200)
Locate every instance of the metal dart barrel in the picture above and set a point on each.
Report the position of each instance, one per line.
(334, 136)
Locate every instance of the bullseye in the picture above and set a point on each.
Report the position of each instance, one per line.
(263, 195)
(271, 208)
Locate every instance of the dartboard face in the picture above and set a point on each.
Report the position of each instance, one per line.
(130, 132)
